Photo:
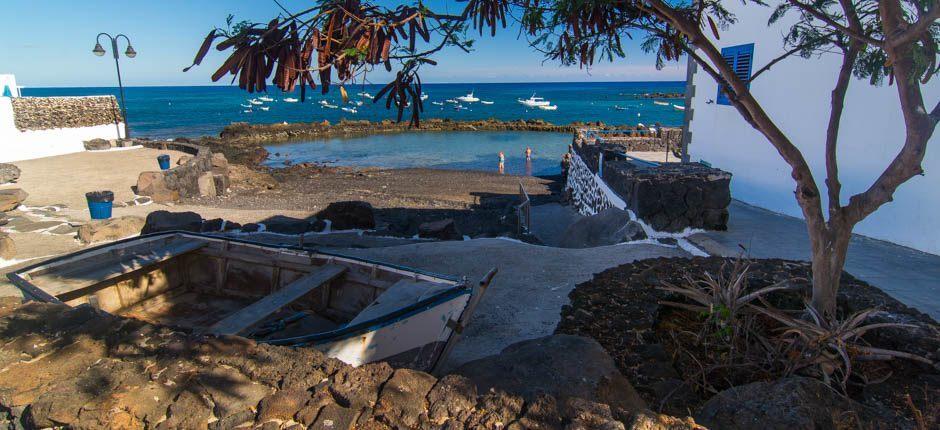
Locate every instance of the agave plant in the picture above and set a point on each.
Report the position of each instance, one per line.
(829, 347)
(720, 298)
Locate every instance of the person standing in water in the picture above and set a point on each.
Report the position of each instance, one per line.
(528, 161)
(528, 153)
(502, 162)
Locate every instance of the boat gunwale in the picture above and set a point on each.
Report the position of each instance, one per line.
(458, 288)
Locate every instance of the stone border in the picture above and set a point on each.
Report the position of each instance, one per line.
(45, 113)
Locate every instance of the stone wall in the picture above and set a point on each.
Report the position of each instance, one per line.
(632, 139)
(83, 368)
(668, 196)
(44, 113)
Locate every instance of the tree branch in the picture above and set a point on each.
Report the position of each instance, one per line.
(776, 60)
(832, 130)
(919, 125)
(828, 20)
(915, 30)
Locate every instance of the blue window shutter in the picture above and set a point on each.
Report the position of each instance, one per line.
(741, 60)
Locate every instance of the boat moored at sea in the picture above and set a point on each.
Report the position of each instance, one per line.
(349, 109)
(256, 102)
(534, 101)
(266, 99)
(547, 107)
(353, 309)
(469, 98)
(661, 103)
(486, 102)
(679, 107)
(291, 100)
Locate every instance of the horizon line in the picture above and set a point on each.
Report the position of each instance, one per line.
(357, 84)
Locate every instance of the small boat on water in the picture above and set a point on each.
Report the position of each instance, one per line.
(357, 102)
(323, 102)
(424, 96)
(459, 107)
(469, 98)
(661, 103)
(534, 101)
(438, 103)
(679, 107)
(328, 106)
(353, 309)
(348, 109)
(246, 106)
(451, 101)
(291, 100)
(486, 102)
(256, 102)
(264, 108)
(547, 107)
(364, 94)
(619, 107)
(247, 111)
(266, 99)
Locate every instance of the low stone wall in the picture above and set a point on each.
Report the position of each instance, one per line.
(672, 196)
(83, 368)
(668, 196)
(632, 139)
(44, 113)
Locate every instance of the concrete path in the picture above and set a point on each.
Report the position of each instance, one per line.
(911, 276)
(525, 298)
(549, 222)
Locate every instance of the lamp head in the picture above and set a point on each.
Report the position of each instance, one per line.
(99, 51)
(130, 53)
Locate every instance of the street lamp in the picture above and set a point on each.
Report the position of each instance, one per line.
(130, 53)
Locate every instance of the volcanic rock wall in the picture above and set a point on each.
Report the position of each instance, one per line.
(44, 113)
(667, 196)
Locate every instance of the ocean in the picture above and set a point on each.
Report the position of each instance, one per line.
(168, 112)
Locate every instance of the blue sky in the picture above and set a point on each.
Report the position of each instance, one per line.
(48, 43)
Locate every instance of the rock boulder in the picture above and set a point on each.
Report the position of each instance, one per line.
(348, 215)
(563, 366)
(11, 198)
(97, 145)
(7, 247)
(788, 403)
(165, 221)
(153, 185)
(110, 229)
(609, 227)
(8, 173)
(444, 229)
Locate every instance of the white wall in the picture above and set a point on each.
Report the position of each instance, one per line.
(796, 94)
(9, 81)
(16, 145)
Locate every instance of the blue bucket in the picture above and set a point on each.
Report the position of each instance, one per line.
(100, 204)
(164, 161)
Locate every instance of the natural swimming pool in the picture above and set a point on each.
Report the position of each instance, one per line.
(457, 150)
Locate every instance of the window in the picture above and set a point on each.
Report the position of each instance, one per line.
(740, 58)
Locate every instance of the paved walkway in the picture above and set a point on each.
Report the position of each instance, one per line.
(911, 276)
(526, 296)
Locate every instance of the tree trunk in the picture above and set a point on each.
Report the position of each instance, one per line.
(830, 247)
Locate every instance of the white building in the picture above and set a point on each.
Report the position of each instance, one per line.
(56, 136)
(796, 94)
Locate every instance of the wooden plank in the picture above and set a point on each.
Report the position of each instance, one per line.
(257, 311)
(79, 280)
(464, 320)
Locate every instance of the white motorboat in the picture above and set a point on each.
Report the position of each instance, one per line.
(657, 102)
(291, 100)
(329, 106)
(424, 96)
(348, 109)
(438, 103)
(469, 98)
(247, 111)
(547, 107)
(459, 107)
(451, 101)
(266, 99)
(534, 101)
(256, 102)
(357, 102)
(485, 102)
(619, 107)
(365, 94)
(264, 108)
(323, 102)
(246, 106)
(678, 107)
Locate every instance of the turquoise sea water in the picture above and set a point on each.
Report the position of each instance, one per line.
(463, 150)
(167, 112)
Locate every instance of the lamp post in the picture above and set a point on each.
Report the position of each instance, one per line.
(130, 53)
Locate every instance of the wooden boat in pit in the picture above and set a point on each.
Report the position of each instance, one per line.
(356, 310)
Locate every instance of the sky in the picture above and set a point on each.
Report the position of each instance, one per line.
(167, 33)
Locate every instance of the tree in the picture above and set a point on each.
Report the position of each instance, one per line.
(896, 39)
